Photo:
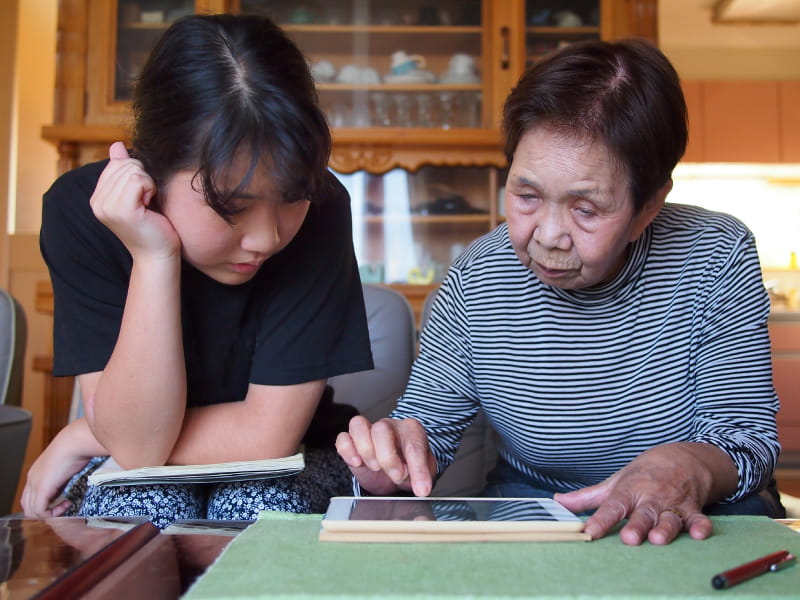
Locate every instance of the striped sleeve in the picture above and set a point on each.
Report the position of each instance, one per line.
(736, 401)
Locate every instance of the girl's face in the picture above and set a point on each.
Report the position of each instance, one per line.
(231, 253)
(569, 210)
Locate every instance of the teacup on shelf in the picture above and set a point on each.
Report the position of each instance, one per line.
(409, 68)
(567, 18)
(403, 63)
(323, 71)
(461, 69)
(354, 74)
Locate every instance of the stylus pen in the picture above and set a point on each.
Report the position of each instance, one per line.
(772, 562)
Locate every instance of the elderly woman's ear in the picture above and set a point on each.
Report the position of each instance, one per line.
(650, 210)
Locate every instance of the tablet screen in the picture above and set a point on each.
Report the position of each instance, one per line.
(444, 509)
(538, 512)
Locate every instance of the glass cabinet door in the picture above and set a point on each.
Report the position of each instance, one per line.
(551, 24)
(390, 63)
(409, 226)
(139, 25)
(434, 65)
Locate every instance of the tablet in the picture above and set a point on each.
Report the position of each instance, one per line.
(416, 519)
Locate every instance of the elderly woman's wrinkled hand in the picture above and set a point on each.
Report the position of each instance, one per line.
(388, 456)
(661, 493)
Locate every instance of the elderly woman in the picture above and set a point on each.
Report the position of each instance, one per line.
(618, 345)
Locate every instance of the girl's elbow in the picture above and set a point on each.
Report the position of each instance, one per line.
(138, 458)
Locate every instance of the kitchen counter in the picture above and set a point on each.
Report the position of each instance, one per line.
(784, 315)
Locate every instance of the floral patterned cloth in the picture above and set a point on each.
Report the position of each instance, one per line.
(325, 475)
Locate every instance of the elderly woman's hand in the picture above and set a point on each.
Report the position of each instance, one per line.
(661, 493)
(388, 455)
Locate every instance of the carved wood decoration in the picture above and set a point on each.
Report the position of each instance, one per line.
(373, 150)
(57, 390)
(351, 158)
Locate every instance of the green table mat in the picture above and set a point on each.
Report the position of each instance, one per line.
(279, 556)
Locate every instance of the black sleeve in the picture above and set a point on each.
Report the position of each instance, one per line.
(89, 268)
(316, 324)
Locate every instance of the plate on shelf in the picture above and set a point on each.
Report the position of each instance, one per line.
(416, 76)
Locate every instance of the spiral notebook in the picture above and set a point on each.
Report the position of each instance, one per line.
(111, 474)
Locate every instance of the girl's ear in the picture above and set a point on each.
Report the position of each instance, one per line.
(650, 210)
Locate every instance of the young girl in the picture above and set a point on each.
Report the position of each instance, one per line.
(205, 284)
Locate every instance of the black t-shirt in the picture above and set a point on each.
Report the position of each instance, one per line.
(301, 318)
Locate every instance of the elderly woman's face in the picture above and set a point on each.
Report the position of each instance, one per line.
(569, 211)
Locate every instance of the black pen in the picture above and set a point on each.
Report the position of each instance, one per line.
(770, 563)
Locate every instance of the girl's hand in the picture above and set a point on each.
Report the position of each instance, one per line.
(65, 456)
(122, 202)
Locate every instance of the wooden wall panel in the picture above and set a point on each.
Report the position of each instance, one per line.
(789, 116)
(785, 337)
(693, 92)
(740, 121)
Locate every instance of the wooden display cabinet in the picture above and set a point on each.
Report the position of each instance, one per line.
(454, 154)
(102, 44)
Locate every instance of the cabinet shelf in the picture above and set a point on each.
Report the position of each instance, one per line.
(556, 31)
(399, 87)
(385, 29)
(482, 219)
(137, 26)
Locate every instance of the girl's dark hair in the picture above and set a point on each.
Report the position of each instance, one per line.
(624, 94)
(217, 87)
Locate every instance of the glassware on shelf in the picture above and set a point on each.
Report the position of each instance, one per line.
(402, 110)
(381, 116)
(339, 115)
(447, 113)
(470, 109)
(424, 110)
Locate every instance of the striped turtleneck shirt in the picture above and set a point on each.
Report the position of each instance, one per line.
(577, 383)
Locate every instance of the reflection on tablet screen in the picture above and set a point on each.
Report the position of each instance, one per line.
(449, 510)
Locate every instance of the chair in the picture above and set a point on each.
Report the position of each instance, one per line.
(477, 454)
(392, 334)
(13, 337)
(15, 428)
(15, 422)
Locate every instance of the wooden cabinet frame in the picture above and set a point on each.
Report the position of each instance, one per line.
(87, 116)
